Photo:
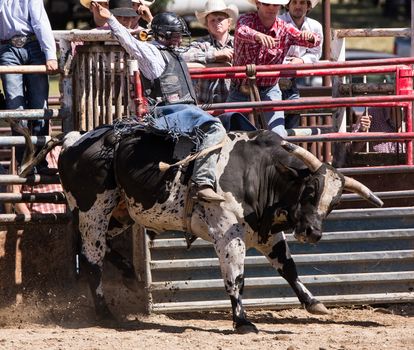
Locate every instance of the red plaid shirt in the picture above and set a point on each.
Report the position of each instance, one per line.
(248, 51)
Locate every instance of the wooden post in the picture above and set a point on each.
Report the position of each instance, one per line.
(141, 259)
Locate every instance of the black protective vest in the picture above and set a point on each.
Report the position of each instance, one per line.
(173, 86)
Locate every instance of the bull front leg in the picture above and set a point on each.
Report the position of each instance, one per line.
(231, 254)
(94, 278)
(93, 227)
(277, 252)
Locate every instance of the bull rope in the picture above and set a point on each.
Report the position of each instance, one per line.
(165, 166)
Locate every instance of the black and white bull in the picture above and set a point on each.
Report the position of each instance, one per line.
(268, 188)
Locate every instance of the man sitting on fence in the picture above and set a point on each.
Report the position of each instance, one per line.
(26, 38)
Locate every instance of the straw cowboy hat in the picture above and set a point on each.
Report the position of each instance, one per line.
(144, 2)
(87, 3)
(217, 6)
(271, 2)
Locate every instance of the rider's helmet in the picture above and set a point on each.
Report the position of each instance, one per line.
(169, 28)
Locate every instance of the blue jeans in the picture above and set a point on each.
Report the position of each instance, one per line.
(204, 168)
(275, 119)
(291, 120)
(25, 91)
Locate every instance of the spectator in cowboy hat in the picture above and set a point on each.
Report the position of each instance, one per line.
(123, 12)
(262, 38)
(297, 14)
(121, 9)
(26, 38)
(216, 47)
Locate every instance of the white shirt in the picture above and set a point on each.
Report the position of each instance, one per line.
(27, 17)
(150, 60)
(309, 55)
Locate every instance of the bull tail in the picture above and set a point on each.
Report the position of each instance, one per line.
(30, 149)
(28, 165)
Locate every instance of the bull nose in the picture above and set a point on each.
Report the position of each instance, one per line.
(312, 235)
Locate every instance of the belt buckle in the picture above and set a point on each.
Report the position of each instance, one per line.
(18, 41)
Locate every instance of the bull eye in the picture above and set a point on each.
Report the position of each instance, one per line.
(309, 193)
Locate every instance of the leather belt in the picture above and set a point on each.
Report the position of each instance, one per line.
(19, 40)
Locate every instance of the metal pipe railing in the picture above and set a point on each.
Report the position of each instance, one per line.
(355, 137)
(307, 66)
(389, 169)
(288, 73)
(13, 219)
(48, 197)
(30, 180)
(309, 103)
(20, 140)
(31, 114)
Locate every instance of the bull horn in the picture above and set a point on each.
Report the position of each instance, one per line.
(355, 186)
(305, 156)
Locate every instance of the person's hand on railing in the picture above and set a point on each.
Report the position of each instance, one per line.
(294, 60)
(224, 55)
(364, 123)
(52, 66)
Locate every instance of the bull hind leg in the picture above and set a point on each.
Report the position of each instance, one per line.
(117, 226)
(277, 252)
(231, 255)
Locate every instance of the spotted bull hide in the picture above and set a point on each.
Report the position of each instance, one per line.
(269, 186)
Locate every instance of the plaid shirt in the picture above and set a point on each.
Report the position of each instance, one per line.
(46, 208)
(203, 51)
(248, 51)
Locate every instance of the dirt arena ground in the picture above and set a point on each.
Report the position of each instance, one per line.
(361, 328)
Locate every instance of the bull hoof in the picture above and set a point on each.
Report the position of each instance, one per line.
(110, 322)
(246, 327)
(317, 308)
(104, 315)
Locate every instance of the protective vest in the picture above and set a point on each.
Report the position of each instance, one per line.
(174, 86)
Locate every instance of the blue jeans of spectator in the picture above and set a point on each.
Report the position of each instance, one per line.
(25, 91)
(291, 120)
(275, 119)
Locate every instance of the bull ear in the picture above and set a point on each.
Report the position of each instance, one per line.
(308, 158)
(355, 186)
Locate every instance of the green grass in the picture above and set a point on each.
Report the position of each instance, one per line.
(54, 85)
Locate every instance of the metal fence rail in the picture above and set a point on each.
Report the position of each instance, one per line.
(365, 256)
